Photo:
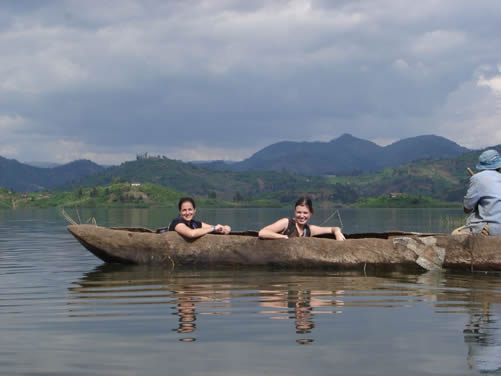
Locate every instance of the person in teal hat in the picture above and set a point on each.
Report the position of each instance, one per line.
(483, 199)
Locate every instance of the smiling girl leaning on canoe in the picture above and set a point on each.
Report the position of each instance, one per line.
(298, 226)
(186, 226)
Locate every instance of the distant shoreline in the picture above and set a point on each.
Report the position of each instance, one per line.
(126, 195)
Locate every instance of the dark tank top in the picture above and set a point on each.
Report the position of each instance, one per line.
(292, 232)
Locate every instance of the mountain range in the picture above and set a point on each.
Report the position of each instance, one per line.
(346, 155)
(22, 177)
(304, 167)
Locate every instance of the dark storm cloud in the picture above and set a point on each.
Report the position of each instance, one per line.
(221, 79)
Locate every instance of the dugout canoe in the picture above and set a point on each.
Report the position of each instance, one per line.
(358, 251)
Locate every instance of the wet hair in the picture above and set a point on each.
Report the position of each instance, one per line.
(304, 201)
(182, 200)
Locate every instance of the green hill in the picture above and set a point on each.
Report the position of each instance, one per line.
(114, 195)
(442, 179)
(223, 185)
(433, 182)
(5, 198)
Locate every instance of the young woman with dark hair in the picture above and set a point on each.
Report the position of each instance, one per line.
(298, 226)
(186, 226)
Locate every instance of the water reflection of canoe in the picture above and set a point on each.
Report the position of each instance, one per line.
(389, 249)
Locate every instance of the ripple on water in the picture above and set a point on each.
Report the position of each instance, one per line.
(62, 312)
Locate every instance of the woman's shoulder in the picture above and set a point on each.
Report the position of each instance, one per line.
(283, 222)
(175, 222)
(286, 222)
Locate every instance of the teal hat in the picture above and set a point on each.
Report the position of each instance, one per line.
(489, 160)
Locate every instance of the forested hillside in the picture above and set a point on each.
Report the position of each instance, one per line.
(442, 179)
(234, 186)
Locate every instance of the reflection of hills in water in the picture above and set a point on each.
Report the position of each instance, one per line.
(191, 299)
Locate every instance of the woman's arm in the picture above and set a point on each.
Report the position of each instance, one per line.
(274, 231)
(221, 229)
(206, 228)
(193, 233)
(318, 230)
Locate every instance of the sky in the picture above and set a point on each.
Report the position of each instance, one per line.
(106, 80)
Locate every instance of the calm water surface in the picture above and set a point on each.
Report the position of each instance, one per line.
(63, 312)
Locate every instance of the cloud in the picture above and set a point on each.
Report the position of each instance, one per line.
(11, 123)
(438, 42)
(493, 82)
(222, 79)
(474, 110)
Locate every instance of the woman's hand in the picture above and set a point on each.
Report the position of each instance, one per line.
(336, 231)
(222, 229)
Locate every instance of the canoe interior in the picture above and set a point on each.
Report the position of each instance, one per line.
(365, 235)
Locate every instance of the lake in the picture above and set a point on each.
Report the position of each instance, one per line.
(63, 312)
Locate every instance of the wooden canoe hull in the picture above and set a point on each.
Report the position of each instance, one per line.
(468, 252)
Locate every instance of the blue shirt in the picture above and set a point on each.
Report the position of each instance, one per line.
(483, 200)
